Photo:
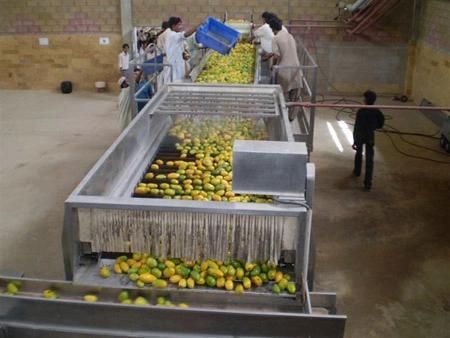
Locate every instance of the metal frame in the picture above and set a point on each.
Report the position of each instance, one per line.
(135, 147)
(209, 315)
(109, 185)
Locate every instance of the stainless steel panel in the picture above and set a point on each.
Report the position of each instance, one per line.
(270, 168)
(211, 314)
(40, 317)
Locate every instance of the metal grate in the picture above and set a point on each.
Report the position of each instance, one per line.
(219, 100)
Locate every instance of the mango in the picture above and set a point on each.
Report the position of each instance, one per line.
(240, 273)
(239, 289)
(147, 278)
(220, 283)
(271, 274)
(257, 281)
(276, 289)
(255, 271)
(140, 301)
(210, 281)
(278, 276)
(49, 294)
(182, 283)
(124, 267)
(133, 277)
(229, 285)
(231, 271)
(91, 298)
(195, 275)
(156, 272)
(149, 176)
(175, 279)
(117, 268)
(151, 262)
(123, 295)
(104, 272)
(283, 283)
(173, 175)
(246, 282)
(291, 288)
(215, 272)
(159, 284)
(190, 283)
(168, 272)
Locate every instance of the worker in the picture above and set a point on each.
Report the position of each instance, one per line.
(174, 47)
(125, 107)
(164, 75)
(162, 35)
(367, 120)
(124, 59)
(140, 82)
(284, 50)
(264, 33)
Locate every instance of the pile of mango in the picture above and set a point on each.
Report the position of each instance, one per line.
(125, 298)
(236, 68)
(204, 169)
(145, 270)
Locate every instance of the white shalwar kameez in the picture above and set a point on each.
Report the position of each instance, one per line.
(174, 53)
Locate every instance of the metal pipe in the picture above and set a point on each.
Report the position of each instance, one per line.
(332, 105)
(315, 25)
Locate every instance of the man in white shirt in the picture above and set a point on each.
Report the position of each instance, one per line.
(162, 36)
(264, 33)
(124, 59)
(174, 46)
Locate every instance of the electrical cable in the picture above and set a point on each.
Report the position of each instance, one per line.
(352, 115)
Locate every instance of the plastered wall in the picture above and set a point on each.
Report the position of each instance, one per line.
(431, 78)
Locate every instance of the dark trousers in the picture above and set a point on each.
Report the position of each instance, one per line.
(369, 162)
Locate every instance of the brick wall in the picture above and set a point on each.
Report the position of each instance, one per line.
(378, 59)
(78, 58)
(73, 28)
(59, 16)
(194, 11)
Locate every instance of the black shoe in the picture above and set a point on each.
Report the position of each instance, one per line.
(367, 187)
(356, 174)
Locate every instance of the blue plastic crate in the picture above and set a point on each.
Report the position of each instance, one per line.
(153, 65)
(215, 35)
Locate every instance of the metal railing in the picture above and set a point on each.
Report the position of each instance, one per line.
(306, 93)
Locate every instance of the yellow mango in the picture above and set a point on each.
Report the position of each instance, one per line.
(147, 278)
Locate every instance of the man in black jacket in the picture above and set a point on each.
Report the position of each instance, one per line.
(367, 120)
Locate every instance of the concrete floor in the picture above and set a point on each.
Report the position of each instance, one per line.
(385, 252)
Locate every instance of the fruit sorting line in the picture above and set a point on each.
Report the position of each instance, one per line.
(105, 218)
